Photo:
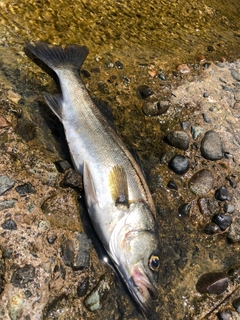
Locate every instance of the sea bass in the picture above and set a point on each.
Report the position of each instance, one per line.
(119, 202)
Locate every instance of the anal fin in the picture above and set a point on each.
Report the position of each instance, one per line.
(118, 186)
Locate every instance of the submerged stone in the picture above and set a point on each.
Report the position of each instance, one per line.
(234, 231)
(201, 182)
(179, 164)
(6, 183)
(212, 282)
(222, 194)
(211, 146)
(178, 139)
(222, 220)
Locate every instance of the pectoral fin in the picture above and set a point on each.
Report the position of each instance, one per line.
(55, 103)
(89, 188)
(118, 186)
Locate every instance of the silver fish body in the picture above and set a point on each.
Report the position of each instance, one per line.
(118, 199)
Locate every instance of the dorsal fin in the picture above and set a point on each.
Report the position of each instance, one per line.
(118, 186)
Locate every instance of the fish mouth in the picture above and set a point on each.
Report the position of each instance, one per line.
(143, 291)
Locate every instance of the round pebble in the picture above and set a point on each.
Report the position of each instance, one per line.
(145, 91)
(211, 146)
(155, 108)
(212, 282)
(15, 306)
(185, 124)
(22, 276)
(119, 64)
(234, 231)
(222, 194)
(178, 139)
(235, 74)
(211, 228)
(184, 209)
(228, 208)
(172, 185)
(179, 164)
(236, 304)
(222, 220)
(225, 315)
(201, 182)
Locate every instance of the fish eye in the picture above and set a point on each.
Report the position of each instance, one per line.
(154, 262)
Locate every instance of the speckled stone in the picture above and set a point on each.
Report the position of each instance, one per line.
(234, 231)
(22, 276)
(222, 220)
(15, 306)
(222, 194)
(179, 164)
(201, 182)
(6, 183)
(211, 146)
(178, 139)
(196, 132)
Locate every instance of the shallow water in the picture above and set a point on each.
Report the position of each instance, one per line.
(140, 34)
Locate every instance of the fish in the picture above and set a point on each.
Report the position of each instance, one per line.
(117, 196)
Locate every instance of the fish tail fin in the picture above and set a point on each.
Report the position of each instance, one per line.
(57, 57)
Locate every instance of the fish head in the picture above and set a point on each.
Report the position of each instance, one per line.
(138, 259)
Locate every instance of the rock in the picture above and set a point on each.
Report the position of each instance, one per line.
(96, 297)
(72, 179)
(179, 164)
(228, 208)
(236, 304)
(51, 237)
(22, 276)
(234, 231)
(25, 129)
(155, 108)
(212, 282)
(161, 76)
(7, 204)
(27, 294)
(222, 220)
(222, 194)
(76, 251)
(15, 306)
(145, 91)
(178, 139)
(184, 209)
(185, 124)
(119, 64)
(103, 87)
(196, 132)
(3, 122)
(211, 146)
(9, 225)
(14, 97)
(25, 189)
(6, 183)
(211, 228)
(62, 165)
(82, 287)
(85, 73)
(224, 315)
(172, 185)
(235, 74)
(183, 68)
(206, 118)
(43, 225)
(201, 182)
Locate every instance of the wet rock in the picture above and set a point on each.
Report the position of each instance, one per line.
(232, 182)
(155, 108)
(224, 315)
(25, 189)
(179, 164)
(205, 95)
(172, 185)
(72, 179)
(206, 118)
(27, 294)
(6, 183)
(25, 129)
(97, 296)
(22, 276)
(183, 68)
(145, 91)
(212, 282)
(184, 209)
(185, 124)
(222, 194)
(9, 225)
(203, 206)
(82, 287)
(235, 74)
(15, 306)
(103, 87)
(62, 165)
(196, 132)
(7, 204)
(178, 139)
(236, 304)
(201, 182)
(119, 64)
(161, 76)
(51, 237)
(222, 220)
(234, 231)
(211, 146)
(211, 228)
(76, 251)
(228, 208)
